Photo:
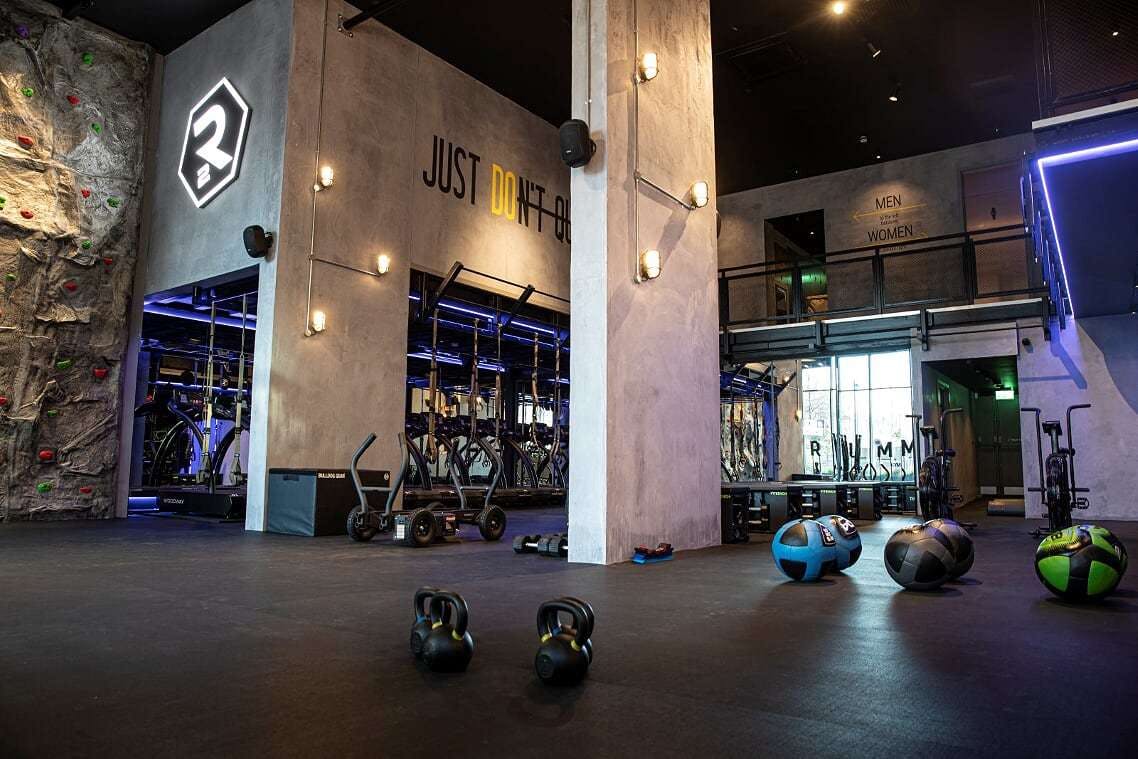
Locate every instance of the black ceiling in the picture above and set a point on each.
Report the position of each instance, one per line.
(795, 86)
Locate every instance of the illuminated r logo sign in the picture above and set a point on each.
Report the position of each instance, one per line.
(215, 138)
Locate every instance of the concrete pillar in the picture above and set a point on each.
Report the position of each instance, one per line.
(645, 357)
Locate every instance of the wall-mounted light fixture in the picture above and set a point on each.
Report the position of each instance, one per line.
(649, 265)
(324, 179)
(383, 263)
(700, 194)
(318, 323)
(649, 67)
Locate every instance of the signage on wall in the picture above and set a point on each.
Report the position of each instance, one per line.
(894, 221)
(456, 171)
(215, 139)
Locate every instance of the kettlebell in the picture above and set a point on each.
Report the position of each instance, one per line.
(421, 626)
(588, 610)
(562, 658)
(448, 648)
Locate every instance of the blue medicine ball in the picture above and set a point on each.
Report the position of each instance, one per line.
(804, 550)
(848, 541)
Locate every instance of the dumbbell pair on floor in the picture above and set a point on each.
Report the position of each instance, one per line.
(564, 652)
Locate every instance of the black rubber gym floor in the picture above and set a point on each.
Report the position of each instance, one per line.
(150, 637)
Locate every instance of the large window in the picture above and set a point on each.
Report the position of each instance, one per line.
(865, 398)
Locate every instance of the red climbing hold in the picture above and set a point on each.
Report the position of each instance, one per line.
(73, 99)
(108, 261)
(100, 372)
(70, 286)
(3, 401)
(27, 214)
(85, 192)
(86, 490)
(47, 455)
(25, 141)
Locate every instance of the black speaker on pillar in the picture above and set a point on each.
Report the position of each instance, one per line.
(577, 148)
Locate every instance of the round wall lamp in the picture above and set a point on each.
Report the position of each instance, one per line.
(318, 324)
(324, 179)
(700, 194)
(383, 263)
(649, 67)
(649, 264)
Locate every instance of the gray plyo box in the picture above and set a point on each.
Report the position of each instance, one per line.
(314, 502)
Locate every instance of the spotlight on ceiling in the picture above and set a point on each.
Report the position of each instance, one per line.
(1115, 33)
(895, 96)
(838, 8)
(874, 50)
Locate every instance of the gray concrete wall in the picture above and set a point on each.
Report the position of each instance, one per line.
(251, 48)
(645, 356)
(1093, 361)
(925, 199)
(384, 101)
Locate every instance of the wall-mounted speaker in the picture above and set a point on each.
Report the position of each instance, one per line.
(577, 148)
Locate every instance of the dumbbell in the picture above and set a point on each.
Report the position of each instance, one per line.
(526, 543)
(555, 545)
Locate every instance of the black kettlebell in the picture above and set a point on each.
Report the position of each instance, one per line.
(448, 648)
(562, 658)
(421, 627)
(588, 610)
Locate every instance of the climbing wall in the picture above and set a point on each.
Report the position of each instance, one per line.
(73, 107)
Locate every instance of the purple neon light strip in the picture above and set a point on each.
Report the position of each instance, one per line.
(1062, 159)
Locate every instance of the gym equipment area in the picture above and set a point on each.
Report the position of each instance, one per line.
(783, 353)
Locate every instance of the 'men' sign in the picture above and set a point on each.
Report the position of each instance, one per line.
(457, 171)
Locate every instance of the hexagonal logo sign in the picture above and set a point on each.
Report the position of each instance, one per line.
(215, 139)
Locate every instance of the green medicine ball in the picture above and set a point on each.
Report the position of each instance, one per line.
(1081, 563)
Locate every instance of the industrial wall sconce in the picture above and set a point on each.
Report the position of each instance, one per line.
(649, 67)
(324, 179)
(700, 193)
(317, 325)
(383, 263)
(649, 265)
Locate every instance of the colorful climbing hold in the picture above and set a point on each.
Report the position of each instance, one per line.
(10, 277)
(44, 487)
(27, 92)
(73, 99)
(46, 455)
(96, 127)
(53, 412)
(3, 201)
(70, 286)
(22, 31)
(108, 261)
(25, 141)
(87, 59)
(3, 401)
(27, 214)
(100, 372)
(64, 363)
(85, 192)
(114, 202)
(85, 245)
(86, 490)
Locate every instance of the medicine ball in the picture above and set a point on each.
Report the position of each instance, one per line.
(847, 548)
(1081, 563)
(962, 549)
(919, 557)
(804, 550)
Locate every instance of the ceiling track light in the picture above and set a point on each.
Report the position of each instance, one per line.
(895, 96)
(874, 50)
(839, 8)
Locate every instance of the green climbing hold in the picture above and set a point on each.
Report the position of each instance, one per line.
(54, 412)
(86, 245)
(88, 59)
(44, 487)
(3, 200)
(64, 364)
(27, 92)
(10, 277)
(96, 127)
(113, 202)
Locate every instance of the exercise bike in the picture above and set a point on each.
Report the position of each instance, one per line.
(1057, 476)
(938, 497)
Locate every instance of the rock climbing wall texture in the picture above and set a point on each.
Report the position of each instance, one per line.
(73, 109)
